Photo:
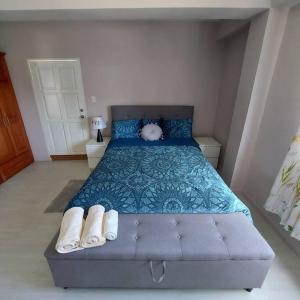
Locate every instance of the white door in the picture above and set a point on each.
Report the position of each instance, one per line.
(60, 99)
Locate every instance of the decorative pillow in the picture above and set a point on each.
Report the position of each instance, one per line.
(152, 121)
(151, 132)
(125, 129)
(177, 128)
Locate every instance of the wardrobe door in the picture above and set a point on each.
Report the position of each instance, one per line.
(4, 75)
(15, 152)
(13, 119)
(7, 151)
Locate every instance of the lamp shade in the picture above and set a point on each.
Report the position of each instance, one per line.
(98, 123)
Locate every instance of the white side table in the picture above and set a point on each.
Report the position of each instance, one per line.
(210, 148)
(95, 151)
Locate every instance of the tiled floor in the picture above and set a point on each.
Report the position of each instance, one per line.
(25, 232)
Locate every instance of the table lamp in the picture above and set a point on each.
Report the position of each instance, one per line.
(98, 123)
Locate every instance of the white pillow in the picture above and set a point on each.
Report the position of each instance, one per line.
(151, 132)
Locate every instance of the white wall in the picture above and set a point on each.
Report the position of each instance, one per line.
(280, 122)
(122, 63)
(234, 49)
(272, 41)
(249, 68)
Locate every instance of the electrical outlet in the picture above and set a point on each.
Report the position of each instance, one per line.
(93, 99)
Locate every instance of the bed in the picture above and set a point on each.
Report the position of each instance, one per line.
(166, 176)
(170, 188)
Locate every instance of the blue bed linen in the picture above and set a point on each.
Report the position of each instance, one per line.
(177, 128)
(125, 129)
(169, 176)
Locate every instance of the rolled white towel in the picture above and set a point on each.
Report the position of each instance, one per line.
(70, 231)
(110, 226)
(92, 235)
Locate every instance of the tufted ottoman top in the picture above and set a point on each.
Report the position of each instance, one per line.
(178, 237)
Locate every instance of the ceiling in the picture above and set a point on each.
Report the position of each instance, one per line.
(46, 10)
(130, 14)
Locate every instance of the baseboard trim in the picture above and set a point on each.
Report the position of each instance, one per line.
(69, 157)
(267, 216)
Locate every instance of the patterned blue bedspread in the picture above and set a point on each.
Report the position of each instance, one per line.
(162, 177)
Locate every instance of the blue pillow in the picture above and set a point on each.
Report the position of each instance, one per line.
(125, 129)
(177, 128)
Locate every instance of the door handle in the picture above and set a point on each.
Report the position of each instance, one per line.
(82, 116)
(4, 121)
(7, 121)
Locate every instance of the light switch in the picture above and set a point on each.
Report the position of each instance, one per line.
(93, 99)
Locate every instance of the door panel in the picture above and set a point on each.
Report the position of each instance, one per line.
(7, 151)
(47, 77)
(52, 106)
(19, 136)
(14, 120)
(58, 137)
(67, 78)
(4, 75)
(77, 137)
(72, 107)
(60, 99)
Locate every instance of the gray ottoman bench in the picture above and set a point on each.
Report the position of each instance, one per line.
(170, 251)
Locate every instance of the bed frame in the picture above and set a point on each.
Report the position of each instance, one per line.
(127, 112)
(168, 250)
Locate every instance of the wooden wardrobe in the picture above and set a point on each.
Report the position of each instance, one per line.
(15, 151)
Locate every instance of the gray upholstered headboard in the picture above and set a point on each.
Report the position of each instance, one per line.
(127, 112)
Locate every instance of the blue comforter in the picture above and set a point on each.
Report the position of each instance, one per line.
(170, 176)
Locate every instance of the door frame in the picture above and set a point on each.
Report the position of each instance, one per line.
(41, 109)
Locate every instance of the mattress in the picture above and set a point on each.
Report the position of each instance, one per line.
(169, 176)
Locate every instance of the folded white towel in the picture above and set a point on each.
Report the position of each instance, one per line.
(92, 235)
(110, 226)
(70, 231)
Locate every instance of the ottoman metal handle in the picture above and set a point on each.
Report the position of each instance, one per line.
(161, 278)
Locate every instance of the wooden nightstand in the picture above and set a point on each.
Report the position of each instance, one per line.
(210, 148)
(95, 151)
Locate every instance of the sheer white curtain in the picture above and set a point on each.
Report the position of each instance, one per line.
(284, 198)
